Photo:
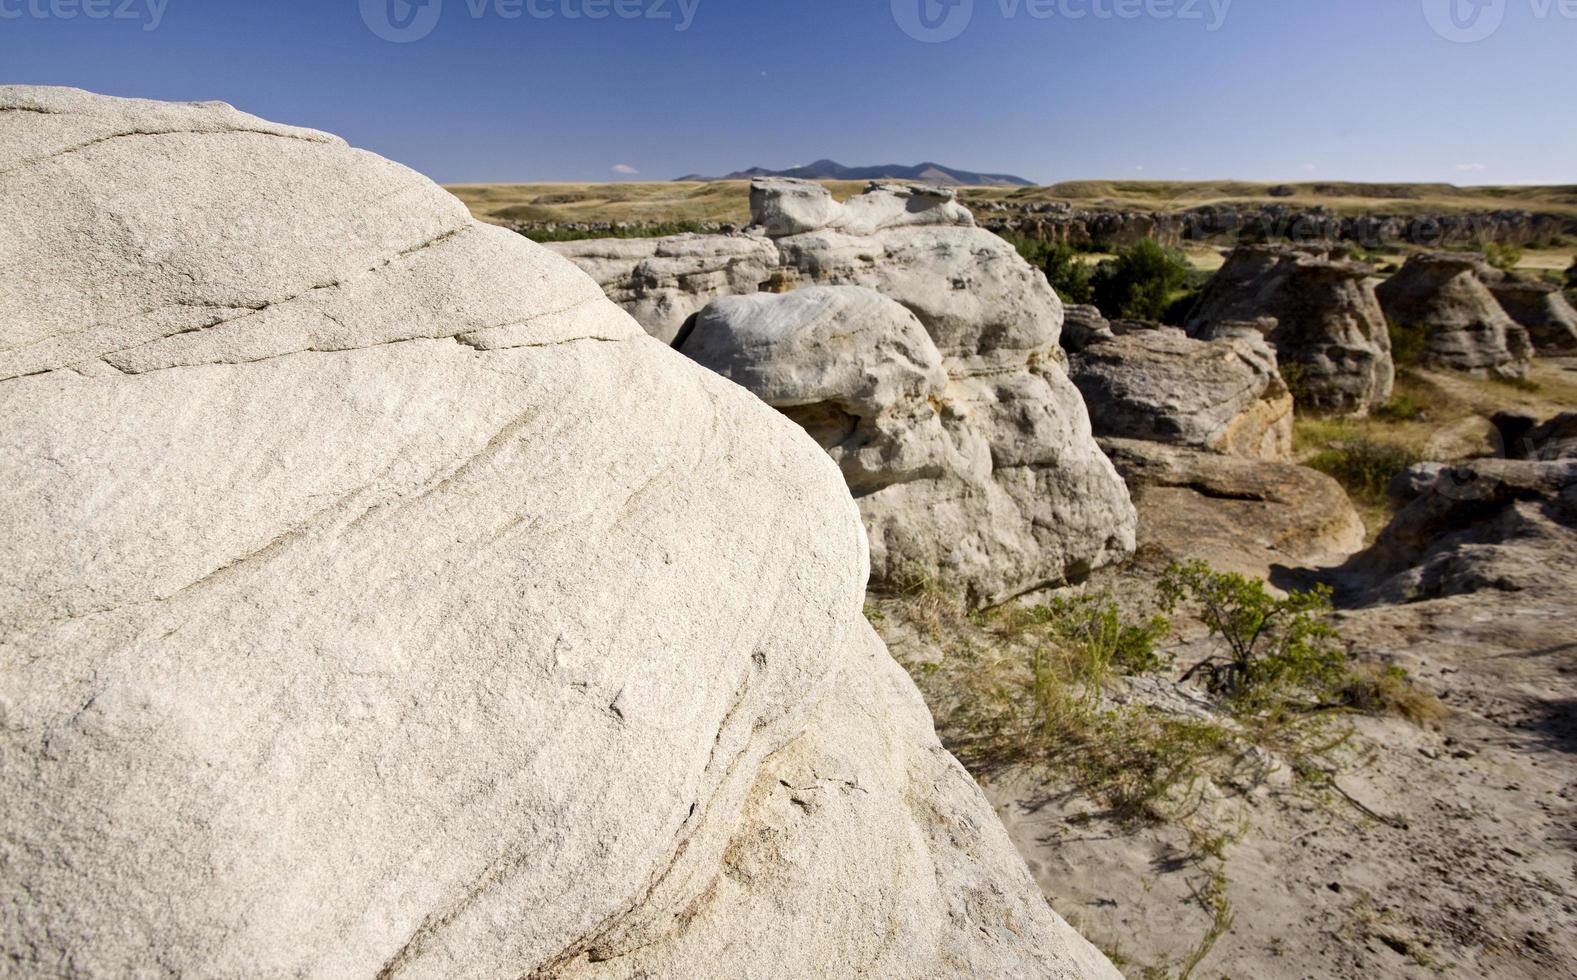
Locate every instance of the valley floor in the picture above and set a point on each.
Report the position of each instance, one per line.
(1442, 847)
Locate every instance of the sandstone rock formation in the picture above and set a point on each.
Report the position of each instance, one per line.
(1241, 515)
(1160, 385)
(991, 481)
(1320, 314)
(1442, 296)
(1083, 326)
(1486, 525)
(662, 282)
(376, 599)
(1540, 308)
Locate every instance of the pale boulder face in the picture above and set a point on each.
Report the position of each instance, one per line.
(1224, 395)
(1320, 314)
(663, 282)
(1443, 297)
(851, 367)
(377, 599)
(989, 480)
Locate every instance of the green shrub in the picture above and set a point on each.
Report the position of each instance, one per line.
(1068, 275)
(1571, 274)
(1094, 627)
(1409, 343)
(1506, 257)
(1275, 648)
(1365, 467)
(1142, 282)
(1403, 407)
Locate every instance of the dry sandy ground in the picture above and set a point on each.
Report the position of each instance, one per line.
(1456, 856)
(1449, 850)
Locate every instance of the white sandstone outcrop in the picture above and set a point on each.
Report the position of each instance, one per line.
(376, 599)
(1159, 384)
(991, 480)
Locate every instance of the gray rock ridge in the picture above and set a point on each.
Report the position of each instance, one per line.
(1443, 296)
(1320, 314)
(1541, 308)
(377, 599)
(1159, 384)
(1492, 524)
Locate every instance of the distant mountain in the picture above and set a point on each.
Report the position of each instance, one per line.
(929, 173)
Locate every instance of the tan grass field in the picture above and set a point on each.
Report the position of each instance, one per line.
(673, 201)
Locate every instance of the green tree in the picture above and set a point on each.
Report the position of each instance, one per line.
(1069, 276)
(1273, 646)
(1141, 282)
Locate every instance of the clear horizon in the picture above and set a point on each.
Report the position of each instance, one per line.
(1465, 92)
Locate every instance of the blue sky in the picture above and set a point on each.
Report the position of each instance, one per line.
(1278, 90)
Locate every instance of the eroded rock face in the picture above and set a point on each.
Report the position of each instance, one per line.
(1540, 308)
(1492, 524)
(1024, 498)
(1224, 395)
(377, 599)
(662, 282)
(1318, 312)
(1240, 515)
(989, 478)
(1442, 295)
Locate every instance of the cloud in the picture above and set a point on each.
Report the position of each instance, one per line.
(1308, 168)
(625, 169)
(1465, 167)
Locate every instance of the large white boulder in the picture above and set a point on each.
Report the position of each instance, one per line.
(376, 599)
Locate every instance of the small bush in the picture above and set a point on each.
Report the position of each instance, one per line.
(1505, 257)
(1365, 467)
(1571, 274)
(1402, 407)
(1409, 344)
(1275, 648)
(1142, 283)
(1388, 690)
(1068, 275)
(1093, 627)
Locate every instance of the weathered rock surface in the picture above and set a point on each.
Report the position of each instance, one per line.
(662, 282)
(1241, 515)
(991, 481)
(376, 599)
(1540, 308)
(1493, 524)
(1443, 296)
(1083, 326)
(1224, 395)
(1318, 312)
